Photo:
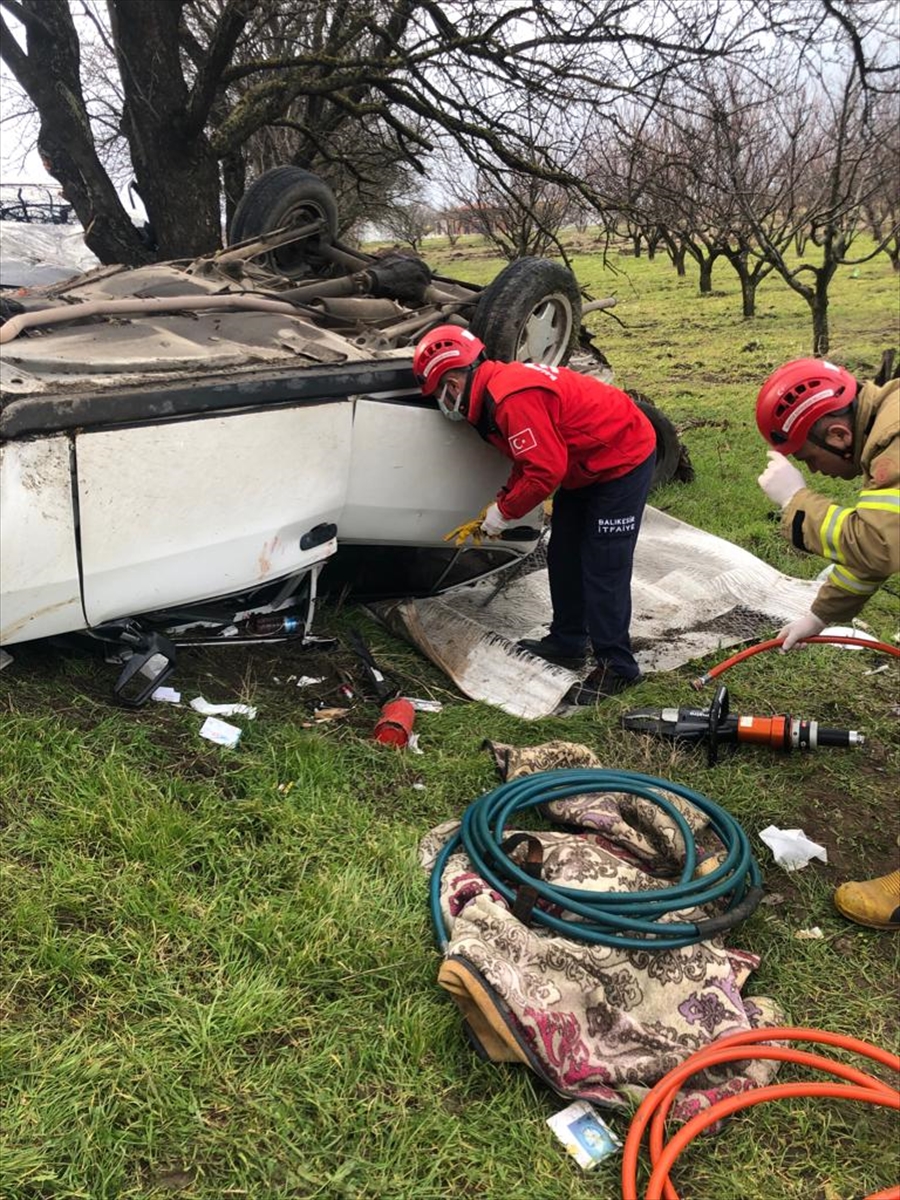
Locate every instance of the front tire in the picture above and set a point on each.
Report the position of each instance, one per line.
(530, 313)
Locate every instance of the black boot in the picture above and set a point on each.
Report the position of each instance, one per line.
(548, 648)
(600, 684)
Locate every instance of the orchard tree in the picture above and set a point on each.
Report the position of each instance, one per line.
(201, 80)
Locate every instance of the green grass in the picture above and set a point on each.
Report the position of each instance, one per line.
(216, 985)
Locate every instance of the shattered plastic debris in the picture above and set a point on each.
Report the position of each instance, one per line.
(220, 732)
(791, 847)
(878, 670)
(855, 631)
(412, 743)
(223, 710)
(307, 680)
(322, 715)
(418, 787)
(433, 706)
(806, 935)
(167, 695)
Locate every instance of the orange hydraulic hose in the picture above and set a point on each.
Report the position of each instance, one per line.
(733, 1048)
(833, 638)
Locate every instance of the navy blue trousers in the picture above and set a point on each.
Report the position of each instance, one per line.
(593, 534)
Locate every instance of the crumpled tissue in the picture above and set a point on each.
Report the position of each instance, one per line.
(791, 847)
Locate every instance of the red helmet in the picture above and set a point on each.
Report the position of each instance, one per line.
(797, 395)
(443, 349)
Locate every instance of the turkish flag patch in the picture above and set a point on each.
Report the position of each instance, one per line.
(521, 442)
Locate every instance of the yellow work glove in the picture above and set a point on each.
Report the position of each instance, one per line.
(469, 529)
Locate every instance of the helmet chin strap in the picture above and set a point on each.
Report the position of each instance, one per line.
(461, 406)
(843, 455)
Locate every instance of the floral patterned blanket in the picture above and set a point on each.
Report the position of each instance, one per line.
(595, 1023)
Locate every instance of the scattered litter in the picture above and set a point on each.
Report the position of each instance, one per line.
(877, 670)
(418, 787)
(773, 898)
(220, 732)
(424, 705)
(791, 847)
(413, 744)
(321, 715)
(849, 631)
(584, 1134)
(229, 631)
(284, 788)
(167, 695)
(5, 659)
(222, 710)
(808, 935)
(346, 691)
(394, 726)
(306, 680)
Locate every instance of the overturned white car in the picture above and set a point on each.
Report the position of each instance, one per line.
(189, 443)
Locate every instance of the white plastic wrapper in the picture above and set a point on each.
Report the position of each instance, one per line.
(222, 710)
(791, 847)
(584, 1134)
(220, 732)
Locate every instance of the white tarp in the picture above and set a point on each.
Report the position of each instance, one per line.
(692, 593)
(32, 255)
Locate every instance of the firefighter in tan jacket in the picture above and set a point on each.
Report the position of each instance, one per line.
(819, 414)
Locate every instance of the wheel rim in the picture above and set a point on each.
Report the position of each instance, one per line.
(547, 332)
(288, 259)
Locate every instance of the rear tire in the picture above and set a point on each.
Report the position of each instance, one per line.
(287, 196)
(530, 313)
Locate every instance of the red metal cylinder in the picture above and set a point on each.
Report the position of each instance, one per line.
(395, 723)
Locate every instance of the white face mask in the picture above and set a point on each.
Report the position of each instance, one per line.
(449, 404)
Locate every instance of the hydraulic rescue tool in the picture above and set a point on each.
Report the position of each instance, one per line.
(716, 726)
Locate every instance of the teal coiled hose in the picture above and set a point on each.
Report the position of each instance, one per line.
(632, 920)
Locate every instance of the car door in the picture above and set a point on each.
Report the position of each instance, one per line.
(178, 511)
(415, 475)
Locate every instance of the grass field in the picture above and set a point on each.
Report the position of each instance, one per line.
(218, 975)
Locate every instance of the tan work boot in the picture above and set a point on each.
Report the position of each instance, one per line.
(874, 902)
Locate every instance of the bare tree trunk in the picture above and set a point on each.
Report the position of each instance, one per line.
(818, 303)
(706, 267)
(176, 170)
(49, 72)
(234, 181)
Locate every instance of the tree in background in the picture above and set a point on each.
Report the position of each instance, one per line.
(409, 222)
(206, 83)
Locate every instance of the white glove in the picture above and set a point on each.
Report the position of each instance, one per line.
(806, 626)
(494, 522)
(781, 479)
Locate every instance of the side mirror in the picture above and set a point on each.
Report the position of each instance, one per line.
(149, 667)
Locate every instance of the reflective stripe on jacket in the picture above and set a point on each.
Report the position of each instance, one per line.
(559, 427)
(862, 541)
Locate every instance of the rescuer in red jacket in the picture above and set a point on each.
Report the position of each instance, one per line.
(588, 443)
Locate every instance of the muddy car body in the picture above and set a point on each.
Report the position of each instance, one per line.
(187, 441)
